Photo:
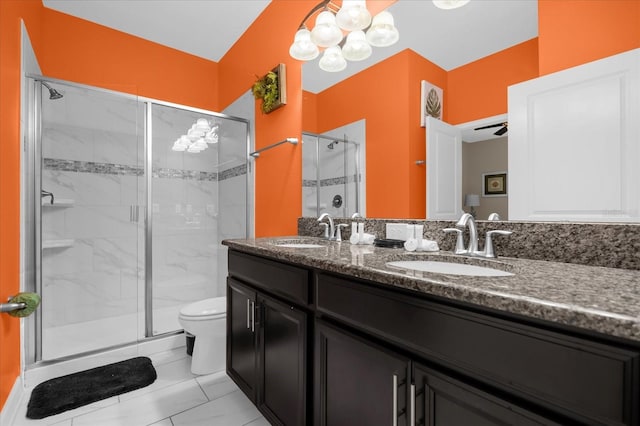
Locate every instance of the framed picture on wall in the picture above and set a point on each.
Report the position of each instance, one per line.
(494, 184)
(431, 102)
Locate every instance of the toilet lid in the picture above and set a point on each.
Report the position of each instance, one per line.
(213, 306)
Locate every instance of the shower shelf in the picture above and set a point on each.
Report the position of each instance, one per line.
(59, 202)
(49, 244)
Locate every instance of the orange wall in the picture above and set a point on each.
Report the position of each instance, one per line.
(83, 52)
(574, 32)
(278, 196)
(10, 44)
(479, 89)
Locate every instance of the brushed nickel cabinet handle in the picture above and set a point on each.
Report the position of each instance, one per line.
(248, 314)
(395, 400)
(412, 412)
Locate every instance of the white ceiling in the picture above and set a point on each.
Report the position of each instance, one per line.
(209, 28)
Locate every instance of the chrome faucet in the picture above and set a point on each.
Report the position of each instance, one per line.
(329, 230)
(466, 220)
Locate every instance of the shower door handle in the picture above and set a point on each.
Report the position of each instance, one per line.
(134, 213)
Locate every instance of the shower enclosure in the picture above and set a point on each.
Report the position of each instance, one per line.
(332, 175)
(126, 224)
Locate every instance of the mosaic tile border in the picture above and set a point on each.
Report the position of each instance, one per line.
(330, 181)
(125, 170)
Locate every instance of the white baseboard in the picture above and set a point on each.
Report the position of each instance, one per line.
(11, 405)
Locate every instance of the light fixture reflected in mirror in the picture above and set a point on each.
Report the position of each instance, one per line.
(331, 25)
(198, 137)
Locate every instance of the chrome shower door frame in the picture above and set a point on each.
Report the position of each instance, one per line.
(32, 182)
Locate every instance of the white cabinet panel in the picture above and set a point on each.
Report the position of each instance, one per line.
(574, 143)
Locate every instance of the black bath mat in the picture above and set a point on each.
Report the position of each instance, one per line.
(75, 390)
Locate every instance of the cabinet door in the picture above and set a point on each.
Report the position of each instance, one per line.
(443, 401)
(357, 382)
(241, 337)
(282, 362)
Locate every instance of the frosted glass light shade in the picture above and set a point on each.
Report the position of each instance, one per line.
(326, 33)
(332, 60)
(450, 4)
(302, 48)
(382, 32)
(177, 146)
(203, 124)
(353, 15)
(356, 48)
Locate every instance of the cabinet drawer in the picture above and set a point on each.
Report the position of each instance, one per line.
(590, 381)
(277, 278)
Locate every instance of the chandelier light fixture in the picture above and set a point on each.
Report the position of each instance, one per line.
(198, 137)
(331, 25)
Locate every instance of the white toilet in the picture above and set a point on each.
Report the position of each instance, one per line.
(207, 321)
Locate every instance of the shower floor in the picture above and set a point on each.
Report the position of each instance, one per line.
(78, 338)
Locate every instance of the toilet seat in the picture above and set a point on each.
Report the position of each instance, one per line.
(208, 308)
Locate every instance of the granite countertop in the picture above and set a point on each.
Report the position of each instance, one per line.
(594, 298)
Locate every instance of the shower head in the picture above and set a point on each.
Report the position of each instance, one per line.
(53, 93)
(331, 145)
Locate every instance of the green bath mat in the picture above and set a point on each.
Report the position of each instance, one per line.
(75, 390)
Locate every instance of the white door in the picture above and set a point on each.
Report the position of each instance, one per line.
(444, 170)
(574, 143)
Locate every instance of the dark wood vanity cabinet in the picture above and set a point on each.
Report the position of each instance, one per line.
(331, 350)
(241, 337)
(357, 382)
(510, 369)
(267, 342)
(440, 400)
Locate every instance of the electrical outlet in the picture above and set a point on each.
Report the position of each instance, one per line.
(397, 231)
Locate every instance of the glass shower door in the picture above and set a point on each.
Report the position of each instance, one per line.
(91, 226)
(197, 197)
(184, 211)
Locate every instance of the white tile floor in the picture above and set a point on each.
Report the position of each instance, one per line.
(176, 398)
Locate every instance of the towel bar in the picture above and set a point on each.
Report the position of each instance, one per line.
(256, 154)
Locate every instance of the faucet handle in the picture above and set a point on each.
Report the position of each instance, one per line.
(338, 232)
(326, 230)
(488, 243)
(459, 240)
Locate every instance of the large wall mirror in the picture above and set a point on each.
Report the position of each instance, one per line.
(450, 41)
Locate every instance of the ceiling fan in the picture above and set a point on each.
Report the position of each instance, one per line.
(501, 131)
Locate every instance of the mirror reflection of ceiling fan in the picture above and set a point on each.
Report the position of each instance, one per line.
(501, 131)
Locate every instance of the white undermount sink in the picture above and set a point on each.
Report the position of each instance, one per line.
(449, 268)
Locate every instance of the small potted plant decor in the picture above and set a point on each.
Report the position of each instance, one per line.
(271, 88)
